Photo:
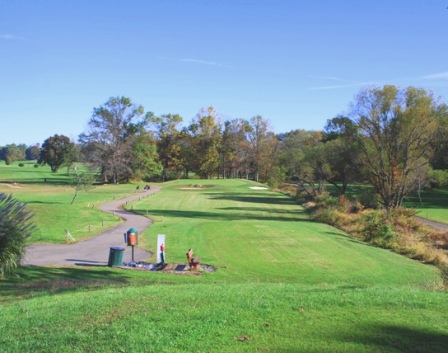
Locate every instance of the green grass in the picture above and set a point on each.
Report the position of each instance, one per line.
(29, 174)
(50, 201)
(282, 284)
(431, 204)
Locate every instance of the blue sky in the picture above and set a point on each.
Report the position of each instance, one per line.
(295, 63)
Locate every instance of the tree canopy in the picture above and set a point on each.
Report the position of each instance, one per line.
(57, 151)
(114, 129)
(396, 128)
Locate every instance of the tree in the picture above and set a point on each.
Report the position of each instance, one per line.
(15, 226)
(81, 180)
(206, 131)
(108, 142)
(396, 129)
(11, 153)
(144, 157)
(168, 147)
(341, 152)
(33, 152)
(262, 144)
(440, 142)
(57, 151)
(234, 148)
(302, 161)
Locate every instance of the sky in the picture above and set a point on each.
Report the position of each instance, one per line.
(295, 63)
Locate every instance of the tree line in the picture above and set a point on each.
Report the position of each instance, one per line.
(391, 138)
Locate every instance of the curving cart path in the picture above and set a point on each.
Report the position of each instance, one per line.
(95, 250)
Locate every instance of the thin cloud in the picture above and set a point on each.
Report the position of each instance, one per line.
(203, 62)
(9, 37)
(438, 76)
(329, 78)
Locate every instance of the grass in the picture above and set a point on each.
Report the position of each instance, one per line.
(431, 204)
(50, 201)
(282, 284)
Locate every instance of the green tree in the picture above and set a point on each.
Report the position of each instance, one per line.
(262, 144)
(108, 142)
(144, 157)
(33, 152)
(168, 135)
(440, 142)
(12, 153)
(234, 148)
(341, 153)
(206, 131)
(15, 226)
(81, 181)
(300, 160)
(396, 129)
(57, 151)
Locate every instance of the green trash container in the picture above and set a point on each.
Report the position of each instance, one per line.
(115, 256)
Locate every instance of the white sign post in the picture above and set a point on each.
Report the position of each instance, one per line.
(160, 242)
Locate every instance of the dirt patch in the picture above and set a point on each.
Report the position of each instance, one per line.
(13, 186)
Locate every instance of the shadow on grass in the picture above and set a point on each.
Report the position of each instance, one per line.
(224, 216)
(42, 202)
(347, 238)
(33, 280)
(265, 199)
(53, 181)
(296, 211)
(399, 339)
(385, 338)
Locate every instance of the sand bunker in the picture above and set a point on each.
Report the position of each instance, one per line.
(258, 188)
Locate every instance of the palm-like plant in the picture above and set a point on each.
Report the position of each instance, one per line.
(15, 226)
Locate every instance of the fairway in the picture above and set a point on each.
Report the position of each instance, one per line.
(283, 283)
(260, 235)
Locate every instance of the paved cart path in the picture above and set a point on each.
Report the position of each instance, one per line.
(436, 225)
(95, 250)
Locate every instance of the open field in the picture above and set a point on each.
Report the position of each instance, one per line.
(282, 284)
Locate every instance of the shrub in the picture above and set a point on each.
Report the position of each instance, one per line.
(438, 178)
(329, 216)
(368, 199)
(377, 229)
(36, 165)
(21, 164)
(404, 218)
(325, 200)
(15, 226)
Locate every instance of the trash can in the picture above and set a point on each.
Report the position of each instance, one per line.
(115, 256)
(131, 237)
